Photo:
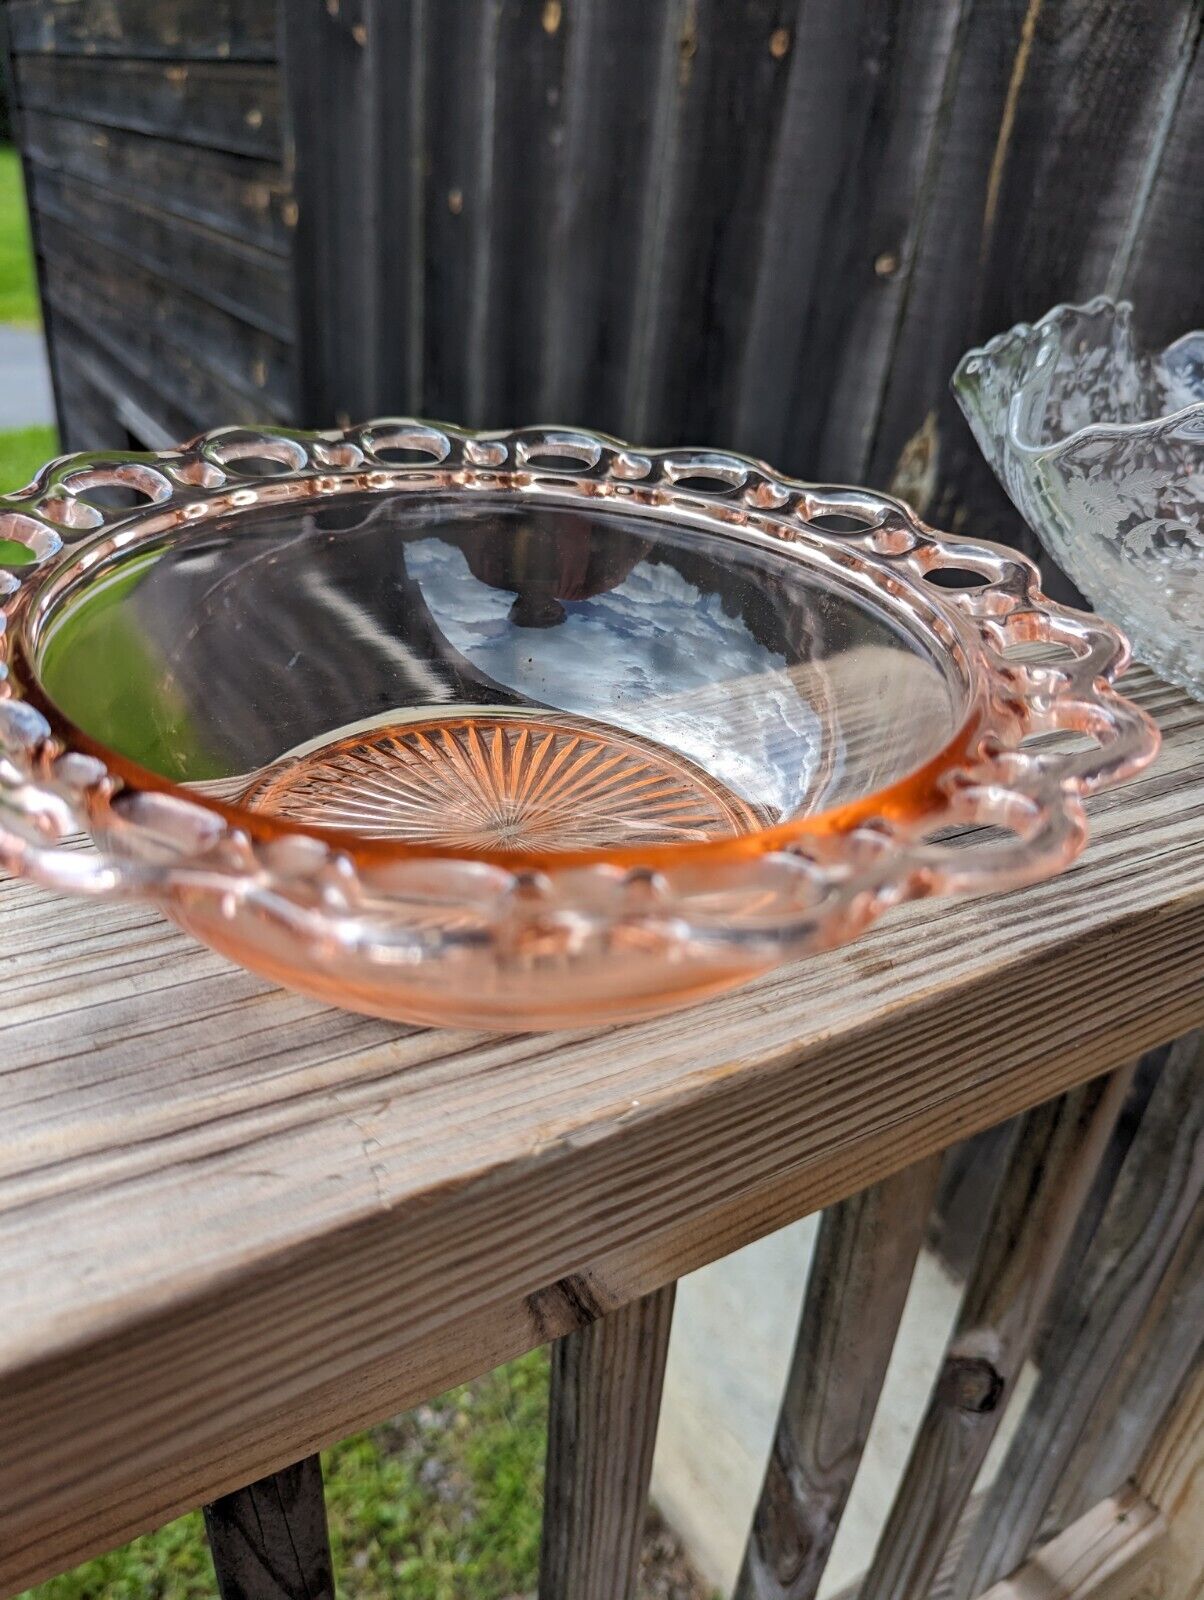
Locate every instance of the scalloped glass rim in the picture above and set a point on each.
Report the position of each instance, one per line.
(511, 938)
(967, 391)
(1006, 389)
(917, 795)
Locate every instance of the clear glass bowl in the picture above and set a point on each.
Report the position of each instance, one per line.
(1101, 447)
(527, 729)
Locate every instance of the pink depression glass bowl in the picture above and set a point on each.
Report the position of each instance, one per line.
(530, 729)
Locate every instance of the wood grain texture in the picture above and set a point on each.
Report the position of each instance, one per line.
(1054, 1159)
(1153, 265)
(866, 106)
(248, 284)
(239, 197)
(193, 353)
(1157, 1198)
(269, 1540)
(1146, 1542)
(1172, 1478)
(1166, 1348)
(92, 421)
(1052, 119)
(236, 1226)
(767, 223)
(858, 1282)
(110, 399)
(773, 224)
(225, 30)
(354, 87)
(231, 106)
(1112, 1553)
(603, 1407)
(615, 56)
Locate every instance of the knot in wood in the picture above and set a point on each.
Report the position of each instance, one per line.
(971, 1383)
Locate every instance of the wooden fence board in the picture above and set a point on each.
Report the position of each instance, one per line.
(613, 58)
(728, 68)
(241, 197)
(223, 105)
(1111, 1553)
(251, 285)
(1165, 239)
(226, 30)
(354, 72)
(122, 399)
(1172, 1477)
(165, 383)
(1052, 113)
(864, 107)
(165, 322)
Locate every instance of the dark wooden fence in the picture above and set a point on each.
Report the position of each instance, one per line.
(765, 224)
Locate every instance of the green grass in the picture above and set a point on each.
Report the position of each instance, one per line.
(18, 290)
(441, 1504)
(22, 452)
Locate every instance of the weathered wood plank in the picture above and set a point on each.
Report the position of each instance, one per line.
(269, 1540)
(119, 401)
(236, 1226)
(1172, 1477)
(1146, 1540)
(866, 106)
(227, 106)
(719, 118)
(514, 265)
(250, 284)
(1056, 1152)
(174, 393)
(89, 418)
(1053, 111)
(1109, 1554)
(761, 221)
(970, 1179)
(225, 30)
(603, 1407)
(613, 57)
(241, 197)
(1159, 1192)
(858, 1282)
(1166, 1347)
(356, 109)
(164, 324)
(457, 205)
(1165, 237)
(848, 156)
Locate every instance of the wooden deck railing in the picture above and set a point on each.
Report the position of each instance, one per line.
(235, 1227)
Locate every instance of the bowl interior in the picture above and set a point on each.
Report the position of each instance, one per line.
(495, 672)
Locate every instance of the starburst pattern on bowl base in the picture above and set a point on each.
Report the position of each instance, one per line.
(502, 781)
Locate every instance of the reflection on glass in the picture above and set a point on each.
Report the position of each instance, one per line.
(496, 674)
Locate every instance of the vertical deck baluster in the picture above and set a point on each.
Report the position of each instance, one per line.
(269, 1540)
(602, 1416)
(856, 1289)
(1148, 1221)
(1055, 1156)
